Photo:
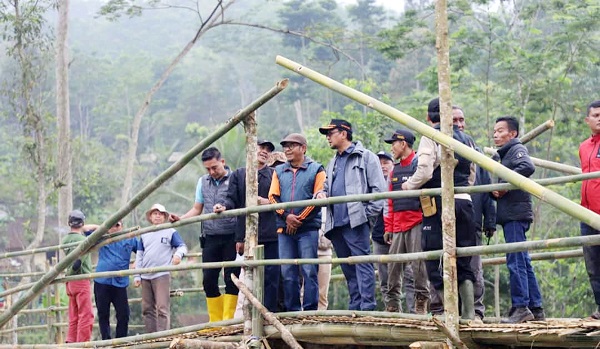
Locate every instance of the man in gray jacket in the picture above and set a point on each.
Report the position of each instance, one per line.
(353, 170)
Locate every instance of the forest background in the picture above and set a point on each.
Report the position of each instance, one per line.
(534, 59)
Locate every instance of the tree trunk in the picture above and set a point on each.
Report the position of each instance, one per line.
(211, 22)
(447, 166)
(64, 182)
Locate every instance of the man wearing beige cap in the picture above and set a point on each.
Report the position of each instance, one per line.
(157, 249)
(353, 170)
(300, 178)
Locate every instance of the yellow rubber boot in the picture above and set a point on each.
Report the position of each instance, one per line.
(215, 308)
(229, 304)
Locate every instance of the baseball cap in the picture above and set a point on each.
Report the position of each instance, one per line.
(266, 143)
(385, 155)
(294, 138)
(76, 218)
(336, 123)
(401, 135)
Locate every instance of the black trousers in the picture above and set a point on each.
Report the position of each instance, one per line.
(219, 248)
(105, 295)
(431, 240)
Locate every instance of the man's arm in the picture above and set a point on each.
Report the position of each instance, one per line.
(521, 162)
(427, 162)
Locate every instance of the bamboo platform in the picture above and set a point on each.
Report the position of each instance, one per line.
(367, 331)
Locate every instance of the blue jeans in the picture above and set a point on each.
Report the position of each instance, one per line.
(300, 245)
(272, 272)
(360, 277)
(591, 256)
(524, 289)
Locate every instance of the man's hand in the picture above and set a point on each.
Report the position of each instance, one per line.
(489, 232)
(293, 223)
(404, 186)
(387, 238)
(176, 260)
(173, 217)
(263, 201)
(239, 247)
(137, 283)
(218, 208)
(321, 195)
(499, 193)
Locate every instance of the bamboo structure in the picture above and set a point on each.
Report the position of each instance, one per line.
(180, 343)
(447, 164)
(450, 333)
(285, 334)
(567, 206)
(251, 238)
(91, 240)
(547, 164)
(526, 138)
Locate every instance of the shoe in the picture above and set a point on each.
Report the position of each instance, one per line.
(391, 309)
(538, 313)
(478, 320)
(467, 299)
(229, 304)
(421, 304)
(518, 315)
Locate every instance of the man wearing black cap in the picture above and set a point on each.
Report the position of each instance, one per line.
(428, 175)
(403, 224)
(353, 170)
(300, 178)
(267, 232)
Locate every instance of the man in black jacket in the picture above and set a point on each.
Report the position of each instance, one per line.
(267, 231)
(484, 213)
(515, 214)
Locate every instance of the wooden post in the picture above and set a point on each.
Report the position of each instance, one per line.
(251, 238)
(57, 310)
(181, 343)
(259, 277)
(50, 320)
(448, 162)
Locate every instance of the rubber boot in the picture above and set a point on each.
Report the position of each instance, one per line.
(215, 308)
(229, 304)
(467, 299)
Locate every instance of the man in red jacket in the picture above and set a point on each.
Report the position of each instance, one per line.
(589, 155)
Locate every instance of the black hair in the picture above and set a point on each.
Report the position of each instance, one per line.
(511, 122)
(594, 104)
(211, 153)
(348, 134)
(434, 116)
(456, 107)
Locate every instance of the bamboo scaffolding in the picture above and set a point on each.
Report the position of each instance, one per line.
(180, 343)
(451, 334)
(550, 165)
(91, 240)
(428, 345)
(581, 213)
(328, 201)
(285, 334)
(526, 138)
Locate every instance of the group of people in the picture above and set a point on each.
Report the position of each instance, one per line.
(399, 225)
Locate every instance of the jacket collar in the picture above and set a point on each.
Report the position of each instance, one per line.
(504, 149)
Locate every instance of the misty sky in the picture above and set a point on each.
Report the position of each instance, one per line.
(396, 5)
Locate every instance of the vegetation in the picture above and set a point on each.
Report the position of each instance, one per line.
(534, 59)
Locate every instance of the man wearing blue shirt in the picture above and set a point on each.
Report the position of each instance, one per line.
(113, 257)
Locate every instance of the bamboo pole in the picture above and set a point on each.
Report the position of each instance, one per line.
(450, 333)
(447, 164)
(581, 213)
(428, 345)
(258, 282)
(181, 343)
(551, 165)
(285, 334)
(91, 240)
(251, 238)
(328, 201)
(526, 138)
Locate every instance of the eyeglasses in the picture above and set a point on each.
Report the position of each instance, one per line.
(331, 133)
(289, 146)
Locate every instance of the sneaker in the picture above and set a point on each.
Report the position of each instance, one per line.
(594, 317)
(538, 313)
(421, 304)
(518, 315)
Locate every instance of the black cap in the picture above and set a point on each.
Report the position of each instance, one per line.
(266, 143)
(336, 123)
(76, 218)
(402, 135)
(385, 155)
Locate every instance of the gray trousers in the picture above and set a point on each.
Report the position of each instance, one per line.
(156, 303)
(382, 268)
(407, 242)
